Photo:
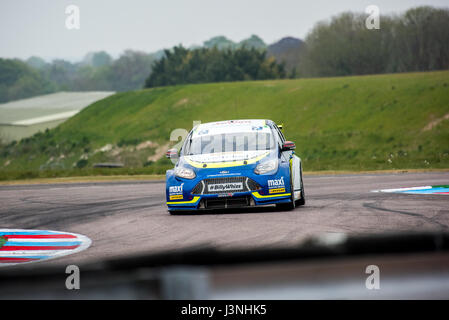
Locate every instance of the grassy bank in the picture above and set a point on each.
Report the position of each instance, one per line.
(380, 122)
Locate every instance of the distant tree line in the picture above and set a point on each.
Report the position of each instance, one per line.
(417, 40)
(182, 66)
(98, 71)
(18, 80)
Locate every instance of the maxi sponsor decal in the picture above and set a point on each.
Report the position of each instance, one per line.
(176, 192)
(276, 185)
(19, 246)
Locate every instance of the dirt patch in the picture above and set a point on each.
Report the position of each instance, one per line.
(105, 148)
(159, 153)
(293, 89)
(435, 122)
(146, 144)
(116, 151)
(181, 102)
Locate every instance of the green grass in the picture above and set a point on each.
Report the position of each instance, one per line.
(346, 123)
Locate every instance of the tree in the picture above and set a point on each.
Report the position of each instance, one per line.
(417, 40)
(18, 81)
(182, 66)
(219, 42)
(253, 42)
(36, 62)
(423, 39)
(100, 59)
(130, 70)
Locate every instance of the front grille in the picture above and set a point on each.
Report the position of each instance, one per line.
(202, 186)
(226, 202)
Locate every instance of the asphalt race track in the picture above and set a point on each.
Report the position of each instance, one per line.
(123, 218)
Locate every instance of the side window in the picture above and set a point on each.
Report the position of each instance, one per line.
(185, 146)
(281, 136)
(276, 136)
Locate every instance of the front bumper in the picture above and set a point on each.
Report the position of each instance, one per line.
(224, 201)
(254, 190)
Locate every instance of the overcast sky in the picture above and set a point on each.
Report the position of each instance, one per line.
(37, 27)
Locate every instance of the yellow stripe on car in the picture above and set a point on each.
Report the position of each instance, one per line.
(224, 164)
(195, 199)
(259, 196)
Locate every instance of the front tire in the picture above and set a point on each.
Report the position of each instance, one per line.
(292, 204)
(301, 201)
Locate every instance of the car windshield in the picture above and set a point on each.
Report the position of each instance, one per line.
(230, 142)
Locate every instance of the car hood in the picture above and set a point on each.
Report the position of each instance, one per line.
(227, 156)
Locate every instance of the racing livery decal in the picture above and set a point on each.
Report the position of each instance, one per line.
(18, 246)
(276, 190)
(276, 185)
(176, 192)
(224, 187)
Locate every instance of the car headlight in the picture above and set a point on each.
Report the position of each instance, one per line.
(184, 173)
(266, 167)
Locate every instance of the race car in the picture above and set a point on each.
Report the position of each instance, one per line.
(235, 163)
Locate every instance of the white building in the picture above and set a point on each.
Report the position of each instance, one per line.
(23, 118)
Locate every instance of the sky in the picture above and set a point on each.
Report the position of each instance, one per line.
(38, 27)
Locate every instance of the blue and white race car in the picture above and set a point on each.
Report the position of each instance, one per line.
(236, 163)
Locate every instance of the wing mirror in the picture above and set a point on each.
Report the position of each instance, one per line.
(288, 146)
(172, 154)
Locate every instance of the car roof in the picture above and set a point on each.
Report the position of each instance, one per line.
(242, 125)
